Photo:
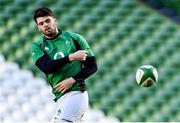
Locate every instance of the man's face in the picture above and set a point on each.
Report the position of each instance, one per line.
(47, 25)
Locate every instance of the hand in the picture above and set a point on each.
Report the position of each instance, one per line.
(65, 85)
(79, 55)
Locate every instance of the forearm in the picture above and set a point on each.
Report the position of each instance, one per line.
(46, 65)
(90, 67)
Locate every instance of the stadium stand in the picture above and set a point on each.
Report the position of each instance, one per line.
(124, 34)
(25, 98)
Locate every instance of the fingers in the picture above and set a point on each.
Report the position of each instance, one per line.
(84, 57)
(80, 55)
(60, 87)
(84, 54)
(84, 51)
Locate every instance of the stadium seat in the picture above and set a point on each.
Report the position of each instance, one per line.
(123, 34)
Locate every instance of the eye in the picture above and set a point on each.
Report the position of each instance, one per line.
(48, 21)
(40, 23)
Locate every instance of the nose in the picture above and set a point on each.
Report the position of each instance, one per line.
(46, 24)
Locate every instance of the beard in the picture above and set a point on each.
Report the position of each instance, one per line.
(50, 32)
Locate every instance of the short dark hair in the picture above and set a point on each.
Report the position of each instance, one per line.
(41, 12)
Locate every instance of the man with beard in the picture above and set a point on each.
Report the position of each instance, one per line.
(67, 60)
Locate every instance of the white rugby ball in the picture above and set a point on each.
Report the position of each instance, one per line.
(146, 76)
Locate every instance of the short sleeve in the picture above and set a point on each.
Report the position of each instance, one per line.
(83, 43)
(37, 52)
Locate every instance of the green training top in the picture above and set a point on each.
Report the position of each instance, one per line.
(57, 48)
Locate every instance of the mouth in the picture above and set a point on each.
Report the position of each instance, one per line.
(48, 29)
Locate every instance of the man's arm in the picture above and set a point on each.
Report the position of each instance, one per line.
(90, 67)
(47, 65)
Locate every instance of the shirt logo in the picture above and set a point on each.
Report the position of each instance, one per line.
(67, 43)
(59, 112)
(59, 55)
(46, 48)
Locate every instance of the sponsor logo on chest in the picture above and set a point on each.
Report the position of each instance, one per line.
(59, 55)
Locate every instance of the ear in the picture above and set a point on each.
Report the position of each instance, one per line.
(39, 29)
(55, 20)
